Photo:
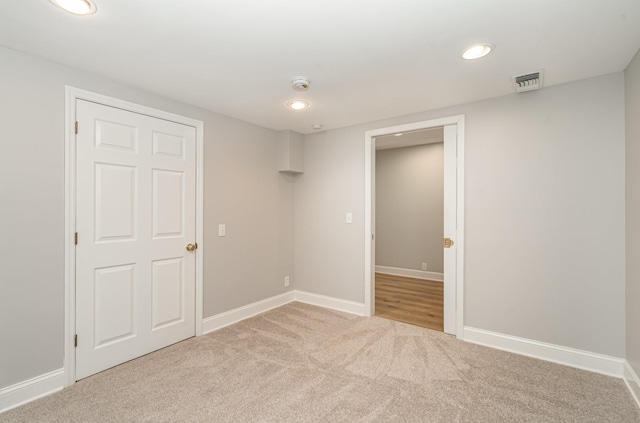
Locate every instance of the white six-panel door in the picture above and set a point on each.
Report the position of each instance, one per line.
(136, 197)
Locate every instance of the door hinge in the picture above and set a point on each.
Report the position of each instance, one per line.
(76, 127)
(373, 237)
(76, 238)
(75, 341)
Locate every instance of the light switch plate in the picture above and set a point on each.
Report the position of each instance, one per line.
(222, 229)
(349, 217)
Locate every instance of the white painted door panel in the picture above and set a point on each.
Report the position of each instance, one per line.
(450, 204)
(135, 280)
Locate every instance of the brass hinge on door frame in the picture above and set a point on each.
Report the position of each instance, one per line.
(76, 238)
(75, 341)
(76, 127)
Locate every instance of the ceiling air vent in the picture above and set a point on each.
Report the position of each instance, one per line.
(528, 82)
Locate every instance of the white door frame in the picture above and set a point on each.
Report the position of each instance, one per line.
(369, 210)
(71, 96)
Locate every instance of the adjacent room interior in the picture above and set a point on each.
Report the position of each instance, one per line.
(409, 181)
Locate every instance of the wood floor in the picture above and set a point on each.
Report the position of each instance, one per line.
(415, 301)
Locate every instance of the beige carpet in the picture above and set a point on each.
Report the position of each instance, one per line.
(301, 363)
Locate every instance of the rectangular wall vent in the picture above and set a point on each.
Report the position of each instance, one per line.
(528, 82)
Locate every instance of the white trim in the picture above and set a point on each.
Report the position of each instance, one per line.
(585, 360)
(460, 227)
(411, 273)
(69, 359)
(236, 315)
(32, 389)
(199, 225)
(369, 225)
(73, 94)
(369, 230)
(330, 302)
(632, 381)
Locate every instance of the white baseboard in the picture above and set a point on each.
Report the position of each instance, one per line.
(32, 389)
(230, 317)
(330, 302)
(410, 273)
(633, 381)
(598, 363)
(236, 315)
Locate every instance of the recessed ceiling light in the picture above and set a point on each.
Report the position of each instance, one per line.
(298, 104)
(77, 7)
(397, 135)
(477, 51)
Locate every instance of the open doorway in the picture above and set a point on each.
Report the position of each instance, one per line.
(409, 260)
(452, 241)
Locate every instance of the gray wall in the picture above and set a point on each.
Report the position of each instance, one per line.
(632, 100)
(242, 189)
(410, 207)
(544, 213)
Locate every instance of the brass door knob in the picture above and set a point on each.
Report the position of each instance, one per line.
(192, 247)
(448, 243)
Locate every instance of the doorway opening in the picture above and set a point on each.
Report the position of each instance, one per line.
(452, 243)
(409, 259)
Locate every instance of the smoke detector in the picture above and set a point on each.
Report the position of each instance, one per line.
(300, 83)
(528, 81)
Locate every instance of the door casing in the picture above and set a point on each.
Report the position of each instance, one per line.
(73, 94)
(369, 210)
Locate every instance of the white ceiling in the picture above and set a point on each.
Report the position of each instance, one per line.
(410, 139)
(366, 60)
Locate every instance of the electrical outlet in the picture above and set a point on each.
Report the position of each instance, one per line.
(424, 266)
(286, 281)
